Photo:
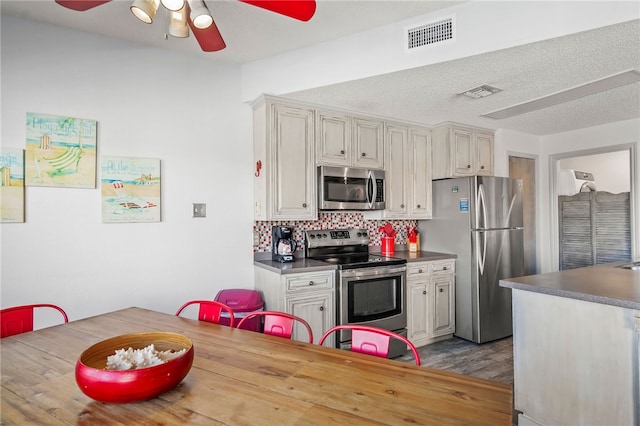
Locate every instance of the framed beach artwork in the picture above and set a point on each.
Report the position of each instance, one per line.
(130, 189)
(11, 185)
(60, 151)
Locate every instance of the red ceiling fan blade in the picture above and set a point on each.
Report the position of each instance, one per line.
(209, 38)
(81, 5)
(302, 10)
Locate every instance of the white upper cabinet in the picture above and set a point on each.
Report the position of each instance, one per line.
(461, 151)
(284, 186)
(343, 140)
(407, 172)
(333, 136)
(368, 143)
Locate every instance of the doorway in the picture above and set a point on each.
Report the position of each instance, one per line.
(613, 166)
(525, 169)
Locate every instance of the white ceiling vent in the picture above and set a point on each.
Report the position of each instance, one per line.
(431, 33)
(481, 91)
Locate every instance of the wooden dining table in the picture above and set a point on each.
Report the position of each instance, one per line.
(239, 377)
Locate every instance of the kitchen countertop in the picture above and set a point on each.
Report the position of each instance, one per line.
(302, 264)
(606, 284)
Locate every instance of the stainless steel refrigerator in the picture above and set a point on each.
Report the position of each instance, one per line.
(479, 219)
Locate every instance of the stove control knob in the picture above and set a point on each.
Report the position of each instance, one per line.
(324, 235)
(312, 236)
(319, 235)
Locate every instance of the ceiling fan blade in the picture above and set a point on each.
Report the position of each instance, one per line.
(81, 5)
(302, 10)
(209, 38)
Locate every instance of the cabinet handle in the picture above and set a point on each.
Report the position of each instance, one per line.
(424, 291)
(311, 283)
(402, 206)
(304, 205)
(418, 206)
(482, 167)
(419, 271)
(440, 290)
(322, 308)
(444, 268)
(342, 151)
(468, 166)
(364, 154)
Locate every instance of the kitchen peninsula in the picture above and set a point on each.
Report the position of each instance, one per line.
(576, 337)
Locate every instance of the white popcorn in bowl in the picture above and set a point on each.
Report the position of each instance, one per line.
(131, 359)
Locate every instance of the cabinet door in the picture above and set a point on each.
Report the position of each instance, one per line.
(317, 310)
(333, 139)
(484, 154)
(291, 187)
(443, 313)
(368, 143)
(462, 154)
(397, 171)
(420, 143)
(418, 326)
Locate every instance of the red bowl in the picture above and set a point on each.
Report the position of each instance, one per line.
(120, 386)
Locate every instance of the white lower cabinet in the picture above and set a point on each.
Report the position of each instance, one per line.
(310, 296)
(430, 301)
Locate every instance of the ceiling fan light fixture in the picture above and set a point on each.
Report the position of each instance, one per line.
(200, 15)
(178, 25)
(145, 10)
(173, 5)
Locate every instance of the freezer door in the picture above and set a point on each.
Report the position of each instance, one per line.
(498, 203)
(498, 255)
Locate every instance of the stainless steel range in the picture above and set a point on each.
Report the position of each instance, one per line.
(371, 289)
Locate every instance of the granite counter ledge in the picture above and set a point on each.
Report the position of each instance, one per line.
(607, 284)
(301, 265)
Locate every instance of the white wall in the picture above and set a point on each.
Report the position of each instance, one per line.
(611, 171)
(148, 102)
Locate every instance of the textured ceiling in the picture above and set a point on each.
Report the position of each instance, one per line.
(426, 94)
(430, 94)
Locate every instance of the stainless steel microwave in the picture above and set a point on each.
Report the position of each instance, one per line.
(347, 188)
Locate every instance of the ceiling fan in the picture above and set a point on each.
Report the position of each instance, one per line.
(199, 19)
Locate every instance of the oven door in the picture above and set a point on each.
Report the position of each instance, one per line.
(372, 296)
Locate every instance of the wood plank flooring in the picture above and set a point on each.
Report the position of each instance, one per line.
(492, 361)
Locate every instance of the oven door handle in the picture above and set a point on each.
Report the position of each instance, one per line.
(373, 272)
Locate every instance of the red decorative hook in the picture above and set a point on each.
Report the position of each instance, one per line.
(258, 168)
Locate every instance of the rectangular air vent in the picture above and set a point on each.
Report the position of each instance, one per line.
(481, 91)
(428, 34)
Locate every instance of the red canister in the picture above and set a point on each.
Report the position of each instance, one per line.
(387, 245)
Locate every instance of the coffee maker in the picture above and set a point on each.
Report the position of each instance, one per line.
(283, 246)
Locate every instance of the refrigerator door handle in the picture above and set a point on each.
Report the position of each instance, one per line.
(482, 208)
(482, 251)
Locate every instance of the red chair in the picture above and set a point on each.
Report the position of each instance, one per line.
(209, 311)
(19, 319)
(278, 323)
(371, 340)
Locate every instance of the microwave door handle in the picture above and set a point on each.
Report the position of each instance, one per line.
(371, 189)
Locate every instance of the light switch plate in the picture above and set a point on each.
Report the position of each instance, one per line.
(199, 210)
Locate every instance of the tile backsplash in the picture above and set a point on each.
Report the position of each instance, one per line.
(331, 220)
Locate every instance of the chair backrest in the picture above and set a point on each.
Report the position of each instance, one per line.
(19, 319)
(278, 323)
(371, 340)
(210, 311)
